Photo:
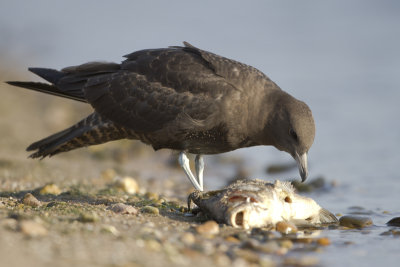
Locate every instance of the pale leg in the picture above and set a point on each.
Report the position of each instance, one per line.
(184, 162)
(199, 165)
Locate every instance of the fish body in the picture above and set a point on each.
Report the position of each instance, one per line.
(258, 203)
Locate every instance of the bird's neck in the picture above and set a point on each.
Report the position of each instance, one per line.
(263, 125)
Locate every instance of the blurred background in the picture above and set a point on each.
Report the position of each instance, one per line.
(341, 57)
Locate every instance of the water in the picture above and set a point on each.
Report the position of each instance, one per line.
(340, 57)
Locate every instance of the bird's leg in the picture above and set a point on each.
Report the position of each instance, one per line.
(184, 162)
(199, 165)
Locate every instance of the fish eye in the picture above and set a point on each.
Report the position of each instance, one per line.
(293, 134)
(288, 199)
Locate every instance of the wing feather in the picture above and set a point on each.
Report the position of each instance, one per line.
(130, 100)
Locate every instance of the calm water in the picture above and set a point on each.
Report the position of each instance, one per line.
(340, 57)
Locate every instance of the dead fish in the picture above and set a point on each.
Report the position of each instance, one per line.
(258, 203)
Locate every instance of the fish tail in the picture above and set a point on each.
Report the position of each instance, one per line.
(326, 216)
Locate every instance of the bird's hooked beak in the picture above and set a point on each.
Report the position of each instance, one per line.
(302, 165)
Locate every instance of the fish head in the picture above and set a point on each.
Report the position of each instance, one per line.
(253, 203)
(247, 209)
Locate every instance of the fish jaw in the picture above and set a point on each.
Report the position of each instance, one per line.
(248, 210)
(247, 216)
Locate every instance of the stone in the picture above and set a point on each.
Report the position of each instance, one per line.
(323, 241)
(31, 200)
(152, 195)
(108, 174)
(303, 261)
(208, 228)
(150, 210)
(153, 245)
(286, 243)
(10, 224)
(286, 227)
(248, 255)
(127, 185)
(394, 222)
(232, 239)
(31, 228)
(88, 217)
(110, 229)
(188, 238)
(123, 209)
(355, 221)
(50, 189)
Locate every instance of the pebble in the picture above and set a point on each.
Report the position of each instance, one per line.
(31, 200)
(88, 217)
(208, 228)
(127, 185)
(303, 261)
(123, 209)
(188, 238)
(150, 210)
(161, 201)
(391, 232)
(32, 229)
(221, 259)
(239, 262)
(317, 183)
(394, 222)
(190, 253)
(50, 189)
(10, 224)
(355, 221)
(248, 255)
(266, 262)
(110, 229)
(286, 227)
(286, 244)
(268, 247)
(108, 174)
(304, 240)
(153, 245)
(152, 195)
(323, 241)
(232, 239)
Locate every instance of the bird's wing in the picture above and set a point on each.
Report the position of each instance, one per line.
(239, 75)
(133, 101)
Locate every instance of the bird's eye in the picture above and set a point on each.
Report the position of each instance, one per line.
(293, 134)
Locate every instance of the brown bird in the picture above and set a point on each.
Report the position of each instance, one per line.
(180, 98)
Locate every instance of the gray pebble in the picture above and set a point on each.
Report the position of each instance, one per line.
(123, 209)
(394, 222)
(355, 221)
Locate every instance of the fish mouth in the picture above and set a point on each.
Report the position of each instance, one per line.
(246, 207)
(302, 165)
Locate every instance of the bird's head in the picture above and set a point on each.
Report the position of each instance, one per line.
(290, 127)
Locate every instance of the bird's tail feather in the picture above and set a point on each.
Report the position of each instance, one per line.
(71, 90)
(45, 88)
(92, 130)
